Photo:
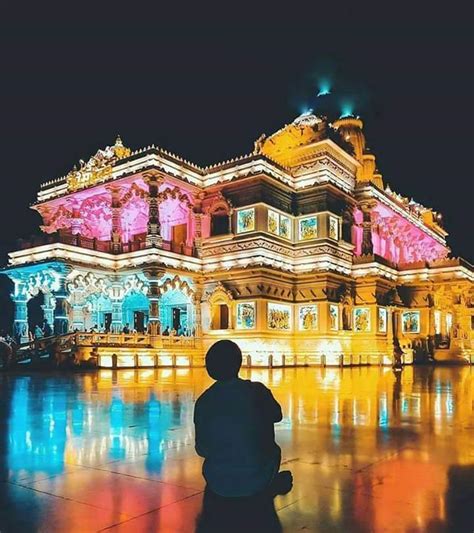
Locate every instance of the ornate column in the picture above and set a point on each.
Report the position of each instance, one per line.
(198, 233)
(20, 324)
(61, 321)
(48, 308)
(153, 180)
(76, 219)
(78, 317)
(154, 274)
(116, 206)
(367, 244)
(197, 311)
(116, 296)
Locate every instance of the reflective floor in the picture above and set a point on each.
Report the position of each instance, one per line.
(370, 450)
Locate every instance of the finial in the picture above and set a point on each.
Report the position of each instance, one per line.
(118, 141)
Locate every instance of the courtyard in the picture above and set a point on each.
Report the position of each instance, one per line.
(370, 449)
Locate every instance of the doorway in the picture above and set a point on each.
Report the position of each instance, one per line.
(179, 233)
(176, 318)
(107, 321)
(139, 321)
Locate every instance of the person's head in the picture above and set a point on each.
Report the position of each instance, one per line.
(223, 360)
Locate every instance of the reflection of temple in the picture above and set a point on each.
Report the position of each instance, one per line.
(297, 251)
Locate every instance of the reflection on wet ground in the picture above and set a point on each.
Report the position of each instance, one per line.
(370, 450)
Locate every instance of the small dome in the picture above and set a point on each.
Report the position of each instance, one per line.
(307, 119)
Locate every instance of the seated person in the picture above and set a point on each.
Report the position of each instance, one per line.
(234, 422)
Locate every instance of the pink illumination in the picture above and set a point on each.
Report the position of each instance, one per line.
(397, 239)
(89, 213)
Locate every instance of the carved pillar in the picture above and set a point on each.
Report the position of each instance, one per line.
(154, 274)
(116, 206)
(61, 321)
(116, 296)
(48, 308)
(198, 233)
(76, 219)
(197, 219)
(367, 244)
(20, 323)
(78, 317)
(197, 311)
(153, 238)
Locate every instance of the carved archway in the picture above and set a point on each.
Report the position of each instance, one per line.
(177, 283)
(217, 216)
(175, 193)
(221, 303)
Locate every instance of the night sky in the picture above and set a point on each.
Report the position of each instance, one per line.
(206, 89)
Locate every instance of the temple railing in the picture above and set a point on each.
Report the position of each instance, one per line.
(87, 243)
(132, 339)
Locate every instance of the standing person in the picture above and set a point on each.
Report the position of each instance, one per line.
(234, 422)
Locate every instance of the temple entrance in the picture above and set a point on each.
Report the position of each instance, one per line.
(139, 321)
(107, 321)
(220, 317)
(135, 311)
(180, 318)
(176, 313)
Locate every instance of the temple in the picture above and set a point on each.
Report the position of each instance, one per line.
(298, 251)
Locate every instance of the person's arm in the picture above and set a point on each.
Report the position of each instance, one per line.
(270, 406)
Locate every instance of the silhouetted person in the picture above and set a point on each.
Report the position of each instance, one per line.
(126, 329)
(234, 422)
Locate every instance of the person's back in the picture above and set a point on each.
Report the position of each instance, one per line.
(234, 421)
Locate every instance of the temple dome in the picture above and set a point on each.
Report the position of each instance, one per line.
(284, 144)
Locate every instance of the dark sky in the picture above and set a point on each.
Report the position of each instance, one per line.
(205, 87)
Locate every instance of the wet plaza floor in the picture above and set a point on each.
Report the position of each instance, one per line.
(370, 450)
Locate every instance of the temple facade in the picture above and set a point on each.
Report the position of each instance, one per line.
(298, 251)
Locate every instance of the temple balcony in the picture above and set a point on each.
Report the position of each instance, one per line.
(139, 243)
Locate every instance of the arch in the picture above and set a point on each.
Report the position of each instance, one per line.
(176, 284)
(134, 190)
(174, 193)
(177, 307)
(220, 302)
(45, 281)
(135, 310)
(88, 284)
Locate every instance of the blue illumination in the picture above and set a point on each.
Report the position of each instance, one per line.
(347, 110)
(306, 111)
(324, 88)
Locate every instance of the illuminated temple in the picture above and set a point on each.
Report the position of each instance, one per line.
(298, 251)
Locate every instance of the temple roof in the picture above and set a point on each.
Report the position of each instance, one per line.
(304, 131)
